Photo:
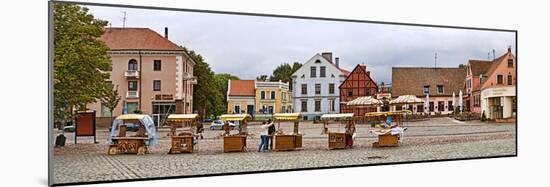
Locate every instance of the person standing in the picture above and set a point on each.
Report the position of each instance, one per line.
(270, 133)
(263, 137)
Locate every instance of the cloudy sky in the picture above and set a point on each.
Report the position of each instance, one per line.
(248, 46)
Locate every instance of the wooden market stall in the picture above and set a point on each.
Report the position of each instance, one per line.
(235, 142)
(388, 135)
(339, 140)
(288, 141)
(121, 142)
(185, 140)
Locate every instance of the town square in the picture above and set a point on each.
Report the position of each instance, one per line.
(136, 98)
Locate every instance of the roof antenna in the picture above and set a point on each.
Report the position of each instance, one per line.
(494, 55)
(124, 19)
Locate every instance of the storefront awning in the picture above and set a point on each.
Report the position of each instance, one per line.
(234, 117)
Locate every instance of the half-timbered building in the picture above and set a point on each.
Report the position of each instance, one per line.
(357, 84)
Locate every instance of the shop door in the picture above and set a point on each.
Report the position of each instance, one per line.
(495, 107)
(250, 109)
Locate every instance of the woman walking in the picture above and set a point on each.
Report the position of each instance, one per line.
(263, 137)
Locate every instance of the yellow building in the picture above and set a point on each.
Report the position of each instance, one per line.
(254, 97)
(273, 97)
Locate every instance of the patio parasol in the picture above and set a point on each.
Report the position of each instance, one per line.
(365, 101)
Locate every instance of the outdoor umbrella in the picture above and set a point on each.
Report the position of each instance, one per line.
(454, 103)
(460, 101)
(406, 99)
(365, 101)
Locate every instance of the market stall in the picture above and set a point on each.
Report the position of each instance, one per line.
(391, 131)
(288, 141)
(235, 142)
(123, 142)
(341, 138)
(184, 140)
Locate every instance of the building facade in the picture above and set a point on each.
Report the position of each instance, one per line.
(258, 97)
(357, 84)
(475, 73)
(152, 74)
(439, 83)
(241, 96)
(498, 89)
(315, 86)
(273, 97)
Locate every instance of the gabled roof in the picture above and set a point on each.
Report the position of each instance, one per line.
(479, 67)
(137, 39)
(355, 70)
(496, 63)
(411, 80)
(242, 88)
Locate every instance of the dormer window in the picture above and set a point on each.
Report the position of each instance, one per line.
(440, 89)
(510, 63)
(426, 89)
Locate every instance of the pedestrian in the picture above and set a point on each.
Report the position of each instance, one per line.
(263, 137)
(271, 131)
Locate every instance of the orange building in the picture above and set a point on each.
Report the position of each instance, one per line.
(498, 88)
(153, 74)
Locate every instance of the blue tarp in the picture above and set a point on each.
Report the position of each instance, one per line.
(147, 121)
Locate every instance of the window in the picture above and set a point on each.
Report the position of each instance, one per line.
(304, 89)
(156, 65)
(440, 106)
(283, 96)
(499, 79)
(262, 95)
(419, 108)
(331, 105)
(132, 85)
(131, 107)
(317, 105)
(426, 89)
(304, 106)
(317, 89)
(367, 92)
(350, 92)
(105, 112)
(156, 85)
(132, 65)
(509, 79)
(440, 89)
(237, 109)
(313, 71)
(431, 106)
(450, 106)
(323, 72)
(272, 94)
(270, 109)
(510, 63)
(317, 61)
(331, 88)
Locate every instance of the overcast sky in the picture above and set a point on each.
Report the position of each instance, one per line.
(248, 46)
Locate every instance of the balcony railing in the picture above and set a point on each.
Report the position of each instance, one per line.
(131, 74)
(132, 94)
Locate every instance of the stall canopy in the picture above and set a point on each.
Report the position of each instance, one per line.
(287, 116)
(146, 120)
(365, 101)
(337, 116)
(406, 99)
(234, 117)
(182, 117)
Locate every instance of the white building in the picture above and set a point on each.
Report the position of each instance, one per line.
(315, 86)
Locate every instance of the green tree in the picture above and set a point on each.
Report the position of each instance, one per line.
(262, 78)
(222, 80)
(284, 72)
(207, 95)
(81, 63)
(110, 100)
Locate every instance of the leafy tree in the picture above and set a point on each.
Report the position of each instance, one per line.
(110, 100)
(262, 78)
(207, 95)
(81, 63)
(222, 80)
(284, 72)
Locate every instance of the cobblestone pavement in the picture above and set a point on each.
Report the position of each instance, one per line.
(437, 138)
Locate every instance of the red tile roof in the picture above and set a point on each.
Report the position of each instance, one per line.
(479, 66)
(136, 39)
(242, 88)
(411, 80)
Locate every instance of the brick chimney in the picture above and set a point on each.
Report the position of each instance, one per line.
(166, 32)
(327, 55)
(509, 49)
(337, 62)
